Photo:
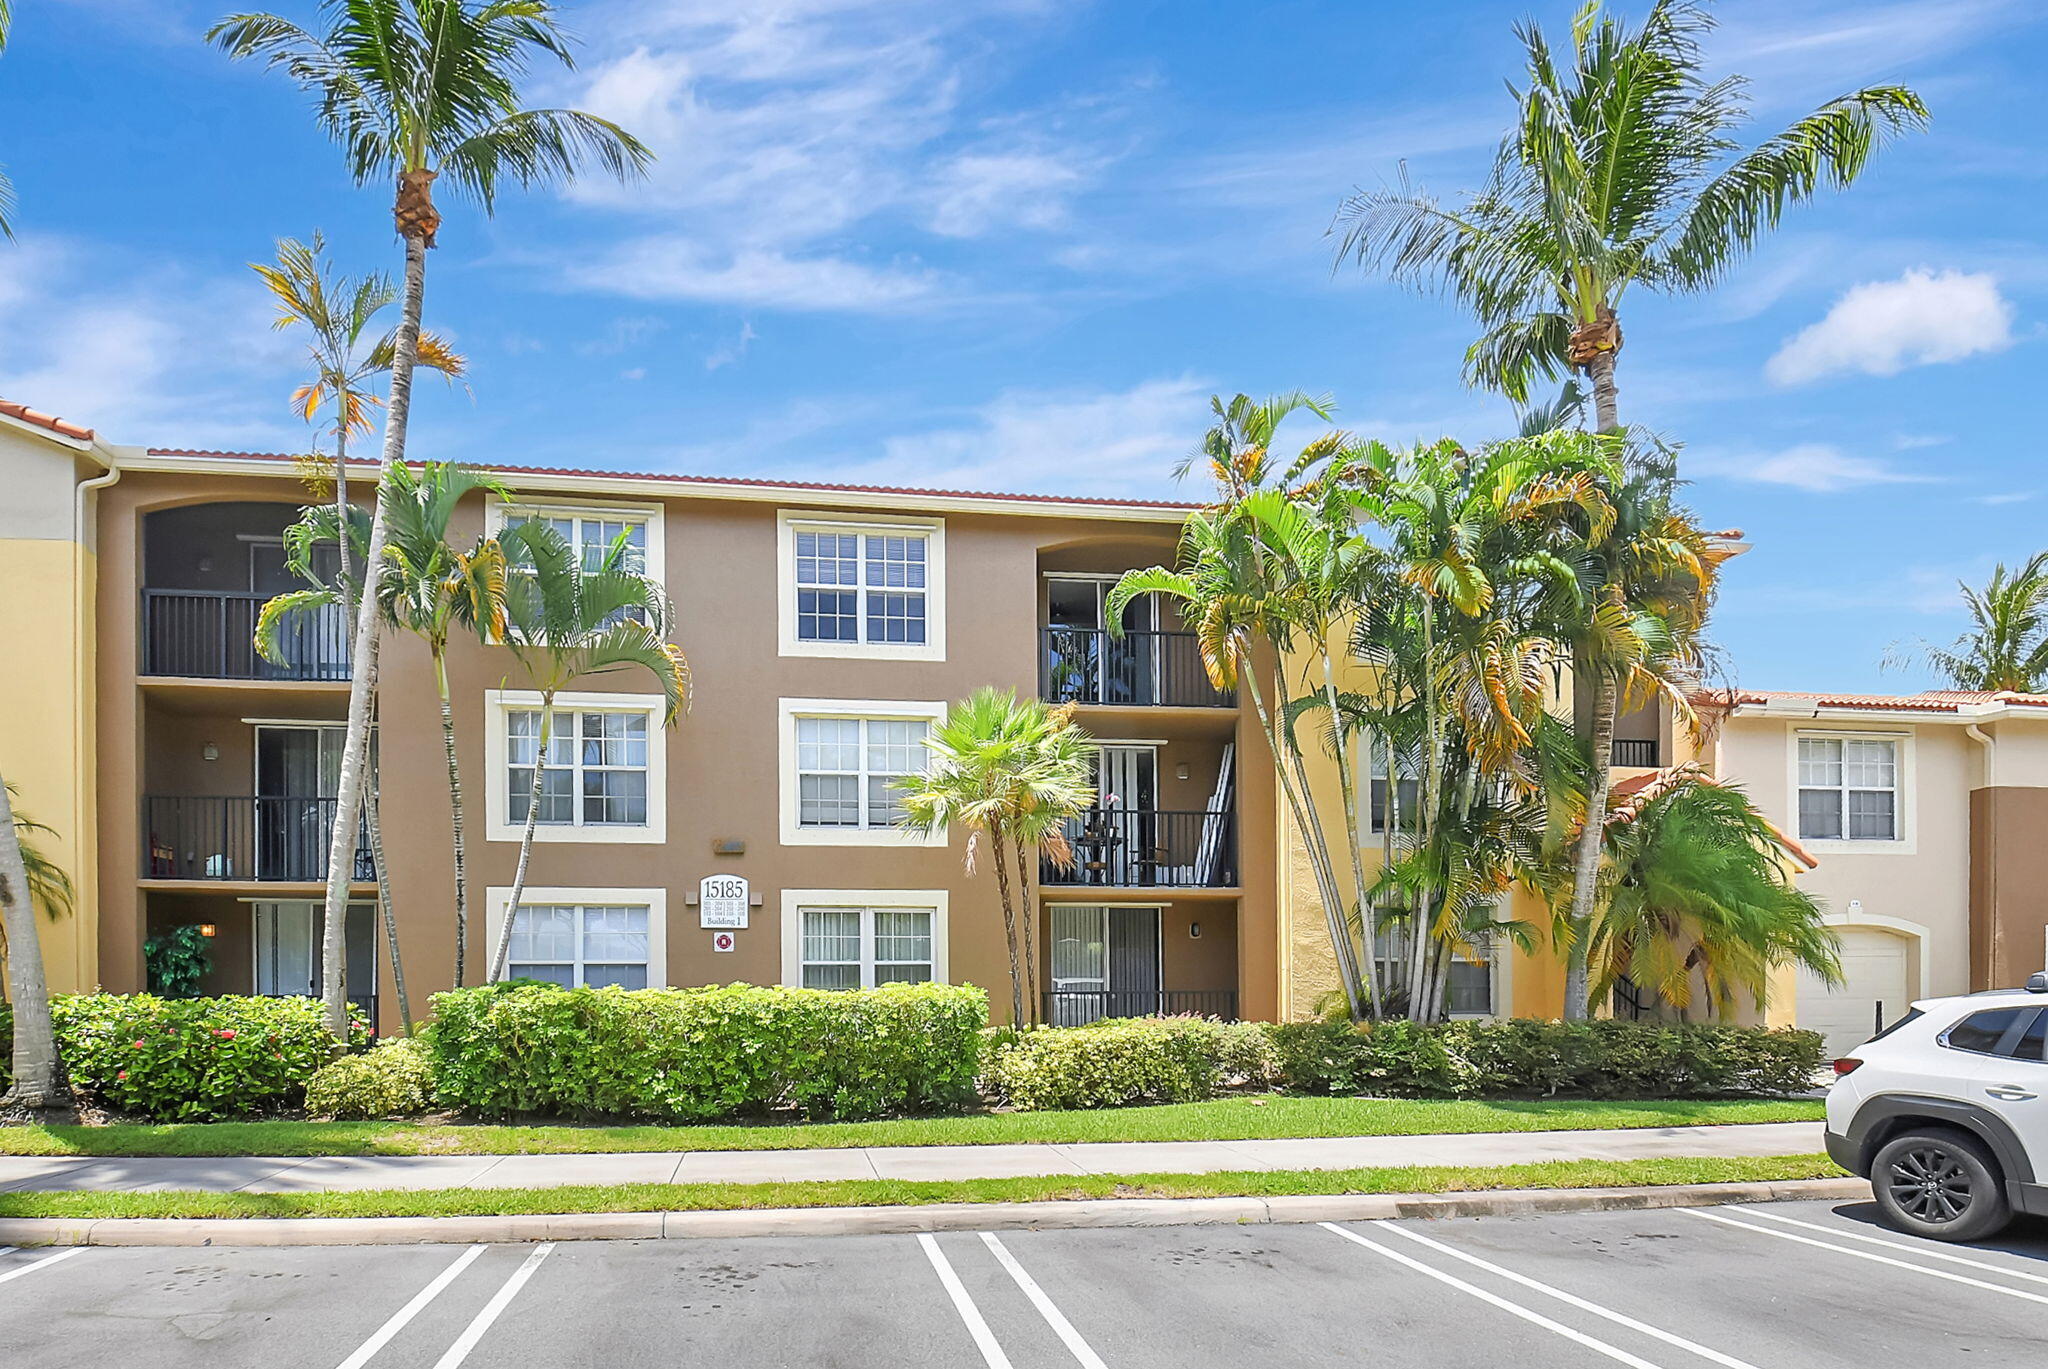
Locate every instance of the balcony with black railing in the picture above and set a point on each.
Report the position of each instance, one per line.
(1139, 669)
(1637, 752)
(238, 838)
(1076, 1007)
(210, 635)
(1147, 849)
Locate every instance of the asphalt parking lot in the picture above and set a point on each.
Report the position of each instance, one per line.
(1768, 1287)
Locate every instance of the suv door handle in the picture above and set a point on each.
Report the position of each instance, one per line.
(2010, 1093)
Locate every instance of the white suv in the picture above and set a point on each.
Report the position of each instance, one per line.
(1946, 1112)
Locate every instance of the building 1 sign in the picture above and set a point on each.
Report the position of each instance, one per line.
(722, 901)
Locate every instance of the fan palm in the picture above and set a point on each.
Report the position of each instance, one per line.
(1622, 168)
(2007, 644)
(565, 622)
(1012, 772)
(415, 90)
(6, 186)
(28, 881)
(1694, 889)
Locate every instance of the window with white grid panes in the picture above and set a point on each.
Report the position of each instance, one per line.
(847, 769)
(1848, 789)
(596, 775)
(863, 587)
(859, 948)
(581, 945)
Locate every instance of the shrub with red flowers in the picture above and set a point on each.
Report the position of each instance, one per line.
(194, 1059)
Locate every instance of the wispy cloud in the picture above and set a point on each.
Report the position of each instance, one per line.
(673, 267)
(1881, 327)
(2008, 497)
(1817, 467)
(731, 350)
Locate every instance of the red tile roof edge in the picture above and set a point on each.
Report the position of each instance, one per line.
(753, 482)
(1930, 701)
(43, 420)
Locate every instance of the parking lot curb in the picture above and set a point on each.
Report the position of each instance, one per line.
(843, 1221)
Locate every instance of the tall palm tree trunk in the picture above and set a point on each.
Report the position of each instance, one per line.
(1028, 917)
(1606, 409)
(1017, 1018)
(1586, 865)
(35, 1039)
(455, 817)
(1368, 931)
(373, 819)
(355, 748)
(503, 948)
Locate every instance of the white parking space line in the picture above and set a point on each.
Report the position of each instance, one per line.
(1866, 1255)
(1905, 1246)
(1620, 1319)
(1064, 1329)
(1613, 1352)
(405, 1314)
(984, 1339)
(500, 1300)
(43, 1263)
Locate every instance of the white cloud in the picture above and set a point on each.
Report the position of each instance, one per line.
(1882, 327)
(672, 267)
(1813, 466)
(978, 191)
(1102, 443)
(2009, 497)
(726, 353)
(621, 335)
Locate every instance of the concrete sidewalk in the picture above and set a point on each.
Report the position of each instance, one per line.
(334, 1173)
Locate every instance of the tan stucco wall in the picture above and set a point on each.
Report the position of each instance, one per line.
(45, 719)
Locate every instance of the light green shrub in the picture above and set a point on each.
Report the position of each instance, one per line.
(1110, 1064)
(693, 1055)
(395, 1079)
(1245, 1056)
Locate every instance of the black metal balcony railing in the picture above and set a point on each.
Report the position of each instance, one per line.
(1073, 1007)
(243, 839)
(1632, 751)
(1148, 849)
(1089, 666)
(209, 634)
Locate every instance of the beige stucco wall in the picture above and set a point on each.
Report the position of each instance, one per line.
(44, 716)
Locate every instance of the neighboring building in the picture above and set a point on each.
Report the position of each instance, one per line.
(1927, 817)
(827, 626)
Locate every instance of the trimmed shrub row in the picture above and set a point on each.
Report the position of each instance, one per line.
(194, 1059)
(692, 1055)
(395, 1079)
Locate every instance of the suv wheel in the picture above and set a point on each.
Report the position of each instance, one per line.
(1940, 1184)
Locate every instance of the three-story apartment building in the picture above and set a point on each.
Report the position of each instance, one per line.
(827, 628)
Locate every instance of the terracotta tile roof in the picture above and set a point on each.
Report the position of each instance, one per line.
(750, 482)
(1928, 701)
(43, 420)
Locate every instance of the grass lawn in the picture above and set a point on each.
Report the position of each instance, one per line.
(474, 1202)
(1225, 1119)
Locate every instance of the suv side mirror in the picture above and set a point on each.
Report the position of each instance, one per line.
(2037, 982)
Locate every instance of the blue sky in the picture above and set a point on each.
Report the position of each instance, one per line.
(1015, 244)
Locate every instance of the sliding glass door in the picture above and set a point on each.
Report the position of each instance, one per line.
(1105, 962)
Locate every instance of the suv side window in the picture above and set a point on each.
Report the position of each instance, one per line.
(1981, 1032)
(2033, 1042)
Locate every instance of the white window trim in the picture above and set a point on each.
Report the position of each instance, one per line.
(497, 512)
(789, 522)
(1907, 841)
(793, 832)
(497, 897)
(794, 900)
(498, 824)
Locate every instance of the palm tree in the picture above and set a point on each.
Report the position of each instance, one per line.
(6, 186)
(1694, 887)
(1634, 622)
(339, 312)
(28, 881)
(1014, 772)
(413, 90)
(2006, 647)
(1622, 168)
(563, 622)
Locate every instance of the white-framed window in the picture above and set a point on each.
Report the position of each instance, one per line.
(585, 937)
(859, 938)
(592, 529)
(861, 588)
(841, 760)
(1407, 792)
(606, 773)
(1850, 788)
(1478, 984)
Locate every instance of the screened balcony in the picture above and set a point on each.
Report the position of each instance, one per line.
(208, 569)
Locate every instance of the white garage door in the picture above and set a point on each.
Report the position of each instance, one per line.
(1874, 969)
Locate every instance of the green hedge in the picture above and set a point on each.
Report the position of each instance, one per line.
(1529, 1058)
(1109, 1064)
(394, 1080)
(193, 1059)
(693, 1055)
